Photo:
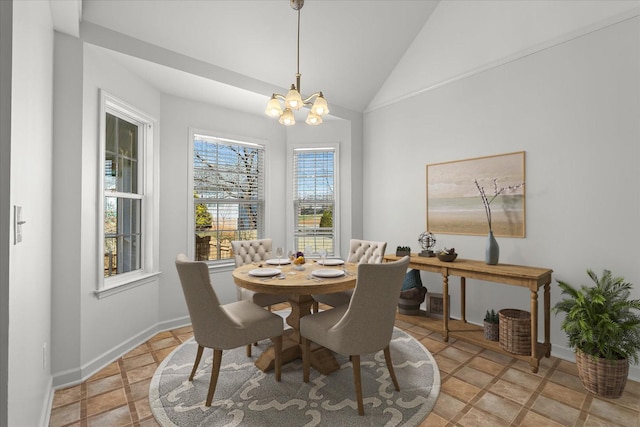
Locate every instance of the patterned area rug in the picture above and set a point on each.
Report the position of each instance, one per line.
(245, 396)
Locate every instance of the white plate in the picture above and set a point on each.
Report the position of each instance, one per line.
(331, 261)
(264, 272)
(325, 272)
(276, 261)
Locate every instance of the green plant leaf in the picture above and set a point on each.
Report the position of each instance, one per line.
(601, 320)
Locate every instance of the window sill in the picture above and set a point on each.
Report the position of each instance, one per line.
(219, 267)
(125, 286)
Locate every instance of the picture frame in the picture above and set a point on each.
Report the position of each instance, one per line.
(435, 306)
(454, 204)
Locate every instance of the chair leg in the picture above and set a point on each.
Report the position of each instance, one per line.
(248, 350)
(392, 373)
(355, 360)
(197, 362)
(215, 370)
(306, 359)
(315, 307)
(277, 341)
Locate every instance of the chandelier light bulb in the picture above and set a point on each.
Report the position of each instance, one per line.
(313, 119)
(320, 106)
(287, 118)
(273, 107)
(293, 100)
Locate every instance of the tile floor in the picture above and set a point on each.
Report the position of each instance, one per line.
(479, 388)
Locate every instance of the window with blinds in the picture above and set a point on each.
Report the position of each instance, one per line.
(314, 179)
(228, 194)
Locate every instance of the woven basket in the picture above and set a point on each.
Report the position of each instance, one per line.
(604, 378)
(515, 331)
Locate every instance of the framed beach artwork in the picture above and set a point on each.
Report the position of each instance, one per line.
(454, 203)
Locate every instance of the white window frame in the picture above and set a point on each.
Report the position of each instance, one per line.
(147, 185)
(291, 214)
(191, 226)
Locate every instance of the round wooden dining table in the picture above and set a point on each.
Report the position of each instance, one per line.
(299, 286)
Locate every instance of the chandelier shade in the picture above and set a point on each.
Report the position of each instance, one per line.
(313, 119)
(273, 108)
(320, 106)
(316, 102)
(293, 99)
(287, 118)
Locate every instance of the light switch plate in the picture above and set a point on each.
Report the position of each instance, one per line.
(17, 224)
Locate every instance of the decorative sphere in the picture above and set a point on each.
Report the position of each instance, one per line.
(427, 240)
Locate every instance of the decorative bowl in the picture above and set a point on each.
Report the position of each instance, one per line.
(446, 257)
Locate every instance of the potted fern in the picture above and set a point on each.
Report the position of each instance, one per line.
(403, 250)
(491, 326)
(603, 326)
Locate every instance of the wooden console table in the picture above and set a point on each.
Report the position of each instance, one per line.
(532, 278)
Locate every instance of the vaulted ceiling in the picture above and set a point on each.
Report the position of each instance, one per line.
(347, 47)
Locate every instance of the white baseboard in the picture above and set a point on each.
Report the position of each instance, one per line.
(76, 376)
(48, 404)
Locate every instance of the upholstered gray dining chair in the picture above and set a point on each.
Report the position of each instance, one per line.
(247, 252)
(223, 327)
(360, 251)
(362, 327)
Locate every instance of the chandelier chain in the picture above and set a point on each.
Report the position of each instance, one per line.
(298, 53)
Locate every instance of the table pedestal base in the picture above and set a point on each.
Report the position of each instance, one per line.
(322, 359)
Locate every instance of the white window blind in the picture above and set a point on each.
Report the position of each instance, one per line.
(228, 191)
(314, 179)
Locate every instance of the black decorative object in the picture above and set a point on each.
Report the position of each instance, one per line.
(403, 250)
(427, 242)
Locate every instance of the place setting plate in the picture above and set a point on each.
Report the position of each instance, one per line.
(327, 273)
(265, 272)
(331, 261)
(276, 261)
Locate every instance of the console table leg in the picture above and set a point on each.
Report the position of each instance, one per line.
(463, 298)
(547, 313)
(534, 331)
(445, 307)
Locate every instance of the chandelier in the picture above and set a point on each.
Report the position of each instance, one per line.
(293, 100)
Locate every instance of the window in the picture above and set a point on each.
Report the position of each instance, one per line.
(314, 199)
(128, 243)
(228, 195)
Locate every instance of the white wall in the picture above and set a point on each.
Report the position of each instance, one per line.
(66, 207)
(178, 116)
(6, 61)
(29, 379)
(118, 318)
(467, 36)
(89, 332)
(574, 107)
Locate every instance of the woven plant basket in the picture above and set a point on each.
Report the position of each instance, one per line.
(515, 331)
(604, 378)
